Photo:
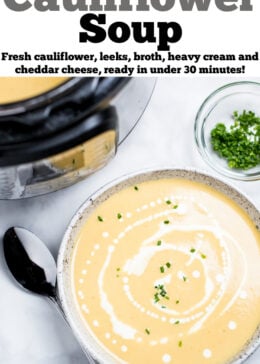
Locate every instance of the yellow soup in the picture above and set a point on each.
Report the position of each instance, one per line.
(14, 89)
(168, 272)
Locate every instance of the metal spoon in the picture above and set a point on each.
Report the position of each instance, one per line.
(33, 266)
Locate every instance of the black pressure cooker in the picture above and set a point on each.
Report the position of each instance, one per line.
(58, 138)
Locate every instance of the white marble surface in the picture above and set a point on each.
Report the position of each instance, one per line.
(31, 332)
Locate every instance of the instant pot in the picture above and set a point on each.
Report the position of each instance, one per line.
(58, 138)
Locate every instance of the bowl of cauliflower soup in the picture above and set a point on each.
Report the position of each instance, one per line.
(163, 267)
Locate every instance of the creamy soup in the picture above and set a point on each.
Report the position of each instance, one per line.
(168, 271)
(13, 89)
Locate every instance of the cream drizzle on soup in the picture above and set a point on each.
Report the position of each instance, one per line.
(168, 272)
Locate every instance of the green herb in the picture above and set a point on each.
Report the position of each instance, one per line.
(159, 242)
(100, 218)
(177, 302)
(166, 222)
(203, 256)
(163, 307)
(240, 143)
(184, 278)
(161, 293)
(180, 344)
(168, 202)
(176, 322)
(162, 267)
(192, 250)
(119, 216)
(136, 188)
(118, 270)
(147, 331)
(175, 207)
(156, 297)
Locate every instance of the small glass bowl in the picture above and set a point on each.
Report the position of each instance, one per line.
(218, 108)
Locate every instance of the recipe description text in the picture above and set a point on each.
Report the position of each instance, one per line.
(133, 64)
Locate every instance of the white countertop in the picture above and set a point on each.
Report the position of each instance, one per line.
(31, 331)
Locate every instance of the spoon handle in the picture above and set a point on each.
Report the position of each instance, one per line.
(55, 300)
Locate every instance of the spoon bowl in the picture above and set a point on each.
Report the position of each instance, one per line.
(33, 266)
(30, 262)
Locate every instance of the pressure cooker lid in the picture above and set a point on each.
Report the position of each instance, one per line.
(90, 127)
(46, 114)
(56, 110)
(52, 114)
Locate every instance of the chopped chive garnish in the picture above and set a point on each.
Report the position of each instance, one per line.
(156, 297)
(177, 302)
(136, 188)
(162, 269)
(118, 269)
(147, 331)
(192, 250)
(168, 265)
(180, 344)
(168, 202)
(119, 216)
(184, 278)
(163, 307)
(176, 322)
(100, 218)
(203, 256)
(161, 293)
(166, 222)
(159, 242)
(238, 143)
(175, 207)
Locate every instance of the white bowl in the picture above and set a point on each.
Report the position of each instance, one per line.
(65, 254)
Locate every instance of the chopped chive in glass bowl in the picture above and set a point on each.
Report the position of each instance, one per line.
(227, 130)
